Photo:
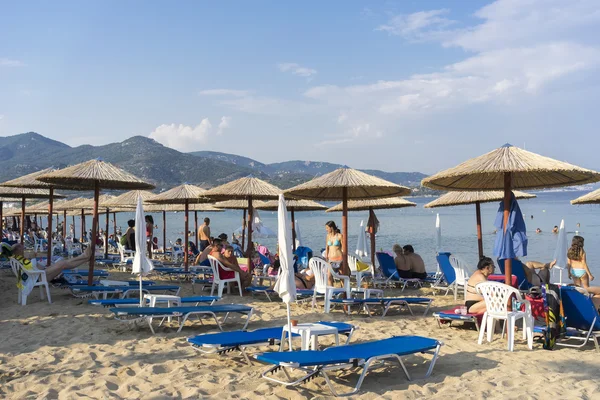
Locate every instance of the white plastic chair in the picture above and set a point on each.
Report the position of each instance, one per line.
(126, 255)
(38, 277)
(462, 276)
(355, 272)
(72, 248)
(497, 296)
(217, 281)
(176, 252)
(38, 243)
(320, 268)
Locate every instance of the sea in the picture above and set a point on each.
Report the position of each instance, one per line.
(416, 226)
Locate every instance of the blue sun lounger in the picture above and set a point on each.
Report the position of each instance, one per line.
(386, 303)
(267, 291)
(121, 291)
(582, 318)
(97, 272)
(132, 302)
(366, 355)
(224, 342)
(183, 313)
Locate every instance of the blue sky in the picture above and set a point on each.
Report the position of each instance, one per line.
(398, 86)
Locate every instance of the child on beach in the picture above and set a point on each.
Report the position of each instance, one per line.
(577, 266)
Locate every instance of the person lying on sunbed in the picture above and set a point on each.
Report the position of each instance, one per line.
(538, 273)
(474, 301)
(305, 279)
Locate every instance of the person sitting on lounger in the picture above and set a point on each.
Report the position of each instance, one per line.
(305, 279)
(414, 262)
(474, 301)
(538, 273)
(54, 270)
(229, 260)
(401, 265)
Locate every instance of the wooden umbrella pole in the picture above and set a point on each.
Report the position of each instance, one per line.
(185, 235)
(243, 229)
(293, 230)
(372, 234)
(1, 221)
(22, 231)
(164, 213)
(196, 227)
(507, 192)
(50, 212)
(115, 225)
(73, 216)
(479, 236)
(82, 224)
(249, 250)
(106, 233)
(94, 233)
(64, 224)
(345, 268)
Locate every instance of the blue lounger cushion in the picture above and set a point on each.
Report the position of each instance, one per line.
(85, 288)
(267, 289)
(131, 301)
(399, 345)
(84, 273)
(383, 300)
(221, 308)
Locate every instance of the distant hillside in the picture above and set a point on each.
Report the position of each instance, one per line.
(144, 157)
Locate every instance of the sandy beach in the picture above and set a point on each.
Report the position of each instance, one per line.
(69, 349)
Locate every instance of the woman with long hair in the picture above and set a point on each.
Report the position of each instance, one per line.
(333, 248)
(577, 266)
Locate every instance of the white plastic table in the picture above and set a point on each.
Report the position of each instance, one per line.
(309, 333)
(172, 301)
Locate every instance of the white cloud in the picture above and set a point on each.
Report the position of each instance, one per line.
(297, 69)
(7, 62)
(224, 124)
(182, 137)
(418, 26)
(224, 92)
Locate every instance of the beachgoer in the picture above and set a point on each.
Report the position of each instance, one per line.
(130, 235)
(414, 262)
(474, 301)
(538, 230)
(230, 261)
(579, 271)
(401, 265)
(224, 239)
(305, 279)
(149, 234)
(555, 229)
(204, 234)
(538, 273)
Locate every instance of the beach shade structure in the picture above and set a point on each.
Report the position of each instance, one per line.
(238, 205)
(183, 194)
(361, 245)
(589, 198)
(126, 200)
(248, 189)
(286, 283)
(94, 175)
(463, 198)
(141, 263)
(293, 206)
(560, 254)
(370, 205)
(508, 168)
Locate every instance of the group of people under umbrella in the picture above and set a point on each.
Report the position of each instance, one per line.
(475, 181)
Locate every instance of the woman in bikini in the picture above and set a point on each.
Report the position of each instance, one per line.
(579, 271)
(333, 248)
(305, 279)
(474, 301)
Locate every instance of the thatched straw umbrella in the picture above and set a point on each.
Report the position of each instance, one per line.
(103, 202)
(67, 208)
(507, 168)
(463, 198)
(292, 205)
(249, 189)
(370, 205)
(94, 174)
(347, 184)
(590, 198)
(182, 194)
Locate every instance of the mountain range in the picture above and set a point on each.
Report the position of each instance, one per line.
(165, 167)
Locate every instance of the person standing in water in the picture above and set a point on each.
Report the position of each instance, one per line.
(204, 234)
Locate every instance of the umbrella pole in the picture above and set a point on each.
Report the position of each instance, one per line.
(196, 227)
(2, 223)
(50, 211)
(243, 229)
(115, 225)
(479, 237)
(249, 251)
(508, 261)
(185, 235)
(82, 224)
(372, 234)
(345, 269)
(94, 233)
(289, 316)
(106, 233)
(73, 227)
(22, 231)
(164, 213)
(64, 224)
(293, 231)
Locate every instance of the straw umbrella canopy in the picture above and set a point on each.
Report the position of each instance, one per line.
(508, 168)
(347, 184)
(182, 194)
(370, 205)
(96, 175)
(463, 198)
(590, 198)
(292, 206)
(249, 189)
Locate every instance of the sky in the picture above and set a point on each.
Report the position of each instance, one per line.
(397, 86)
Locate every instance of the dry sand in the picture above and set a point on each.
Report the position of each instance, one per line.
(69, 349)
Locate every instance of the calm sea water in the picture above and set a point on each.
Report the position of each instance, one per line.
(416, 226)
